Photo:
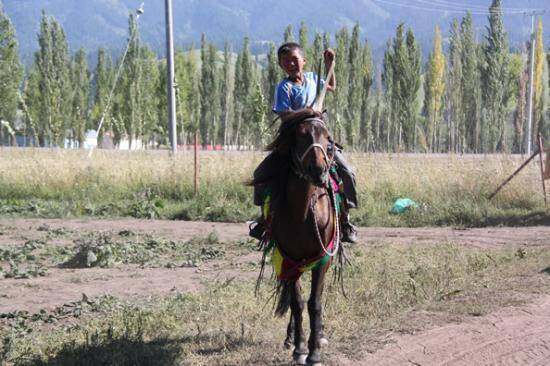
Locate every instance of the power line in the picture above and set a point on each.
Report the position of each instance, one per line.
(457, 11)
(481, 8)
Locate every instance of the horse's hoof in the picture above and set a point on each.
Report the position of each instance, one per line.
(323, 341)
(299, 359)
(314, 359)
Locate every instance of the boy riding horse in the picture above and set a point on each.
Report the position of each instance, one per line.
(296, 92)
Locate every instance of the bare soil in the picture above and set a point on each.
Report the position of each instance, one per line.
(510, 336)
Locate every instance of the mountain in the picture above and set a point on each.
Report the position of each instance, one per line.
(94, 23)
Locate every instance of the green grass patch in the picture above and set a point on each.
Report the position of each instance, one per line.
(107, 250)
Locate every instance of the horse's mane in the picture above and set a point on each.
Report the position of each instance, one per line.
(289, 122)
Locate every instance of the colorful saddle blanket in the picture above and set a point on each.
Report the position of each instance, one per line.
(286, 268)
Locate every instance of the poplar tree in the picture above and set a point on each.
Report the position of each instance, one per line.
(520, 113)
(258, 111)
(366, 75)
(206, 89)
(214, 95)
(338, 103)
(471, 84)
(378, 142)
(11, 71)
(226, 94)
(103, 79)
(237, 101)
(354, 85)
(274, 74)
(411, 85)
(159, 134)
(188, 94)
(288, 35)
(495, 79)
(304, 43)
(455, 92)
(129, 90)
(434, 92)
(389, 97)
(243, 91)
(326, 40)
(30, 103)
(539, 86)
(81, 94)
(148, 123)
(405, 59)
(317, 50)
(52, 63)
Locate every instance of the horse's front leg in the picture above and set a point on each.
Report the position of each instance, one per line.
(297, 307)
(315, 308)
(289, 340)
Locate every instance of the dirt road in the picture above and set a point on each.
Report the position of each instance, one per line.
(510, 336)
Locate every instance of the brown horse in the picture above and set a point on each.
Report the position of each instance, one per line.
(304, 222)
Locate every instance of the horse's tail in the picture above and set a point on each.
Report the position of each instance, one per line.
(283, 297)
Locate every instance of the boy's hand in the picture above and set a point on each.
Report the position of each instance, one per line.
(329, 56)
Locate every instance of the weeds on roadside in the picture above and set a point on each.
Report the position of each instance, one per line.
(21, 262)
(227, 325)
(104, 250)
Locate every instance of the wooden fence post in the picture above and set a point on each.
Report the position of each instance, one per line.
(541, 154)
(196, 158)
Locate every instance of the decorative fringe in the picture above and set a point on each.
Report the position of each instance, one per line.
(264, 246)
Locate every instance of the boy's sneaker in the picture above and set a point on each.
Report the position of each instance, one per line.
(256, 229)
(349, 231)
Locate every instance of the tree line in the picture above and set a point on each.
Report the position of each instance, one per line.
(468, 96)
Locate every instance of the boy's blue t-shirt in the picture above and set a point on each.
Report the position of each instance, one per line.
(289, 96)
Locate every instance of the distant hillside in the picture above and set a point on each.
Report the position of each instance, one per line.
(94, 23)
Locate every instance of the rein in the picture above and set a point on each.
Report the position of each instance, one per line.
(336, 236)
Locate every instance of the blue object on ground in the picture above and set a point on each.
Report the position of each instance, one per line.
(402, 205)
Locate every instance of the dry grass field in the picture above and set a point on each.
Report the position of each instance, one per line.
(450, 189)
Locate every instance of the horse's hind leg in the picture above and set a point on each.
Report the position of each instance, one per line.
(315, 308)
(297, 308)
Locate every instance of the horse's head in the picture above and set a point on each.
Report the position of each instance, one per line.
(312, 152)
(304, 138)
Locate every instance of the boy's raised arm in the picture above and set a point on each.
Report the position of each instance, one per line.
(329, 57)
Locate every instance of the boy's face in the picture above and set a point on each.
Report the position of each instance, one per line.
(293, 63)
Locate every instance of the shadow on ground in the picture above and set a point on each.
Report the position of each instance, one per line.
(123, 352)
(539, 218)
(132, 352)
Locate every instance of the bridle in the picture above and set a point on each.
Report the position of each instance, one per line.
(298, 169)
(298, 161)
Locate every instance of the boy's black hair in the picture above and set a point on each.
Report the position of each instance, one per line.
(287, 48)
